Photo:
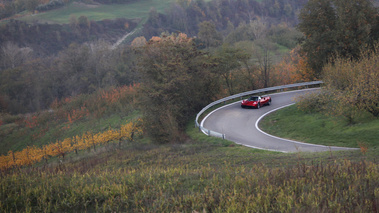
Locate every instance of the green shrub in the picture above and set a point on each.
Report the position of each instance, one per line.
(313, 102)
(351, 88)
(356, 83)
(6, 118)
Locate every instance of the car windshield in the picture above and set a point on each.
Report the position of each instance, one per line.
(254, 98)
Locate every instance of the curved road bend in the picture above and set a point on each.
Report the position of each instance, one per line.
(241, 126)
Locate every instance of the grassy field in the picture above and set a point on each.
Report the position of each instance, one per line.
(135, 10)
(74, 116)
(15, 138)
(202, 174)
(319, 129)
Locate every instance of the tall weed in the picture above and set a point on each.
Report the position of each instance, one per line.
(153, 182)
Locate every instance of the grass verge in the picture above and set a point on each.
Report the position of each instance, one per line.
(317, 128)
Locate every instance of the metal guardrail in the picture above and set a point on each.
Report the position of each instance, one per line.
(240, 95)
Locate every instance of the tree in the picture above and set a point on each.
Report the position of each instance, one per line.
(176, 82)
(352, 86)
(84, 25)
(318, 21)
(154, 24)
(127, 66)
(31, 5)
(73, 22)
(178, 18)
(240, 33)
(73, 65)
(264, 61)
(139, 42)
(355, 21)
(258, 28)
(336, 27)
(11, 55)
(26, 88)
(229, 60)
(209, 35)
(101, 65)
(292, 69)
(83, 22)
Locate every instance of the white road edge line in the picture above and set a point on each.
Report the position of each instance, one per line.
(202, 122)
(256, 126)
(292, 141)
(254, 147)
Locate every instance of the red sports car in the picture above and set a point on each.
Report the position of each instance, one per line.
(256, 102)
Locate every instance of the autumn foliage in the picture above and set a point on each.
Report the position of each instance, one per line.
(33, 154)
(36, 128)
(293, 68)
(97, 104)
(351, 88)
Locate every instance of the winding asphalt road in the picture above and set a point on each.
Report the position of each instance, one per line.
(241, 126)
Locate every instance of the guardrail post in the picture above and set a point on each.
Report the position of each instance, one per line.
(209, 132)
(223, 136)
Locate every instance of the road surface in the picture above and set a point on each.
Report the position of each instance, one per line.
(241, 126)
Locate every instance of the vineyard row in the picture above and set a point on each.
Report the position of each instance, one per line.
(33, 154)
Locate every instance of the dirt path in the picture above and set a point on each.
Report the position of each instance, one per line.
(122, 39)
